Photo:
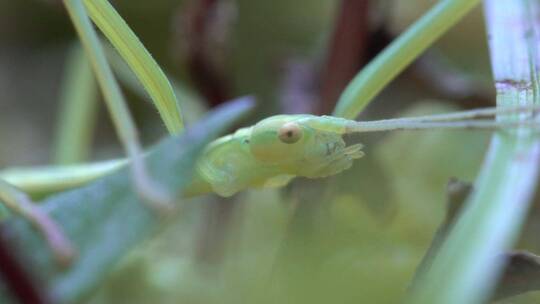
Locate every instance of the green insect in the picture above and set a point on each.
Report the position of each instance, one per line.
(273, 152)
(279, 148)
(269, 154)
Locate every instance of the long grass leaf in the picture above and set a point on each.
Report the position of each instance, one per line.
(124, 125)
(468, 265)
(139, 59)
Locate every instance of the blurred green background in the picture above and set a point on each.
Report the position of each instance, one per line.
(352, 238)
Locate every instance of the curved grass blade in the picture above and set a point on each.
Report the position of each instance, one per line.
(467, 267)
(121, 117)
(399, 54)
(107, 218)
(139, 59)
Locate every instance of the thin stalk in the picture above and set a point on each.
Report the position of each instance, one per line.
(78, 109)
(124, 125)
(20, 203)
(108, 84)
(399, 54)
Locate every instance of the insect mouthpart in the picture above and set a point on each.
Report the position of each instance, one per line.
(340, 159)
(354, 151)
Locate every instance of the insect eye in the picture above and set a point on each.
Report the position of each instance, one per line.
(290, 133)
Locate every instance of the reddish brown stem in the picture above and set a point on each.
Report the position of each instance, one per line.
(346, 51)
(19, 284)
(206, 76)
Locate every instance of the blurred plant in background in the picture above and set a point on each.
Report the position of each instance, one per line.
(356, 237)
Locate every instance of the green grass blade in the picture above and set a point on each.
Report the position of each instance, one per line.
(107, 218)
(121, 117)
(139, 59)
(115, 101)
(49, 179)
(468, 265)
(78, 109)
(399, 54)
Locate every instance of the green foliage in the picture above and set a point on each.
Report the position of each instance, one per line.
(107, 218)
(79, 108)
(139, 59)
(398, 55)
(340, 250)
(466, 269)
(352, 238)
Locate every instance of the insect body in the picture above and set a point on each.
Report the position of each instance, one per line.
(275, 150)
(270, 154)
(279, 148)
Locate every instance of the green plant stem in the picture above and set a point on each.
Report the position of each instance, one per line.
(78, 109)
(139, 59)
(399, 54)
(467, 267)
(124, 125)
(113, 96)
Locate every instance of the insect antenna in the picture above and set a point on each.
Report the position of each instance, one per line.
(379, 126)
(470, 114)
(456, 120)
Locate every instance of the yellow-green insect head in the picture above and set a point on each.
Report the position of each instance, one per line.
(300, 148)
(278, 139)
